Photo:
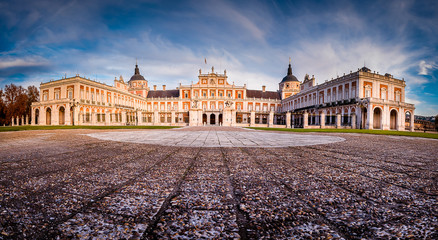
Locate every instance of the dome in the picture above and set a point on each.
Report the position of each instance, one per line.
(137, 75)
(289, 77)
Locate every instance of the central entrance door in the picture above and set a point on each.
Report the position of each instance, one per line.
(212, 119)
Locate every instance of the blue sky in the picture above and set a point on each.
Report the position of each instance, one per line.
(253, 40)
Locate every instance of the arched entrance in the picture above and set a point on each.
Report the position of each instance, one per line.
(61, 116)
(393, 120)
(204, 119)
(212, 119)
(377, 118)
(37, 115)
(407, 120)
(221, 122)
(49, 116)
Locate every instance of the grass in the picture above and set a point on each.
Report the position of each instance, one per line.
(22, 128)
(365, 131)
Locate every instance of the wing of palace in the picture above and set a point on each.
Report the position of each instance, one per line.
(361, 99)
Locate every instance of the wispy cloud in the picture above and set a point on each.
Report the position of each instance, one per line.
(425, 67)
(22, 62)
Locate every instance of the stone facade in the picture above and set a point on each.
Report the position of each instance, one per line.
(359, 100)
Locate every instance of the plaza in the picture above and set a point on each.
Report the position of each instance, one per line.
(88, 183)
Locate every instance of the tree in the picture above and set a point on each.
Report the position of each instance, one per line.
(2, 109)
(33, 95)
(16, 101)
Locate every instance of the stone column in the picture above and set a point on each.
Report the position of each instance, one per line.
(271, 119)
(353, 121)
(305, 119)
(293, 121)
(139, 117)
(322, 120)
(67, 115)
(32, 117)
(107, 117)
(22, 120)
(288, 119)
(370, 116)
(385, 118)
(18, 120)
(157, 117)
(338, 120)
(124, 118)
(216, 117)
(76, 116)
(252, 123)
(12, 122)
(26, 120)
(208, 119)
(412, 123)
(172, 117)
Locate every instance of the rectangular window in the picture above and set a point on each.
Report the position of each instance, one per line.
(367, 93)
(70, 95)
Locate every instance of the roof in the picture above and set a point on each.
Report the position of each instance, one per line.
(163, 93)
(261, 94)
(137, 75)
(289, 77)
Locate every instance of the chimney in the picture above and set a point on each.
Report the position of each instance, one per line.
(264, 88)
(164, 87)
(155, 87)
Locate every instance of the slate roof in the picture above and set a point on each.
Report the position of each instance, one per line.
(261, 94)
(163, 93)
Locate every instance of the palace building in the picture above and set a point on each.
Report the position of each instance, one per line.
(361, 99)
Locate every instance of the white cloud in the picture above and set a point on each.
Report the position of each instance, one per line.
(425, 67)
(22, 62)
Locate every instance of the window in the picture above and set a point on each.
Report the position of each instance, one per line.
(397, 96)
(70, 94)
(212, 94)
(57, 96)
(383, 93)
(186, 95)
(204, 94)
(220, 94)
(239, 95)
(367, 92)
(45, 97)
(229, 95)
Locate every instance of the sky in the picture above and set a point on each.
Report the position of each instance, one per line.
(253, 40)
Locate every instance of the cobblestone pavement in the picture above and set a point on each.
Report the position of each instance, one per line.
(216, 137)
(64, 184)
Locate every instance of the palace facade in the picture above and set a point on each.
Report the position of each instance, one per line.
(360, 99)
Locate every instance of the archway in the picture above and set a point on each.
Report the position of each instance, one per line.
(49, 116)
(364, 118)
(221, 119)
(407, 120)
(204, 119)
(61, 116)
(393, 120)
(212, 119)
(37, 115)
(377, 118)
